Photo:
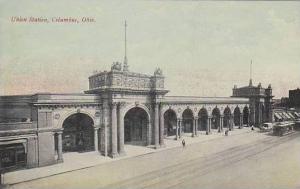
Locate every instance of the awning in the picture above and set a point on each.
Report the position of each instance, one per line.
(277, 116)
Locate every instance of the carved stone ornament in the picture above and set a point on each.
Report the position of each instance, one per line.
(56, 116)
(97, 114)
(158, 72)
(116, 66)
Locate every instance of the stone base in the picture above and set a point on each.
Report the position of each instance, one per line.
(114, 155)
(156, 147)
(162, 145)
(60, 161)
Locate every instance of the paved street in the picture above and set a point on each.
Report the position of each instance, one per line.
(248, 160)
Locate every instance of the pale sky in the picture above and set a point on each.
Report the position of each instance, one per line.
(203, 48)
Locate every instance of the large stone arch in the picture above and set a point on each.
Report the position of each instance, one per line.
(166, 108)
(130, 106)
(68, 113)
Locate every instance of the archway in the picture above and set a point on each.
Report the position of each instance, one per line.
(226, 120)
(202, 123)
(170, 122)
(135, 126)
(237, 116)
(216, 116)
(187, 121)
(78, 133)
(246, 115)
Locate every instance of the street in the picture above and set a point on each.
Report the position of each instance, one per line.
(251, 160)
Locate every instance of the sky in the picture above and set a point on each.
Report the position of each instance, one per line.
(203, 47)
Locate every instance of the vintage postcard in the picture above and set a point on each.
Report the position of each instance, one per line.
(149, 94)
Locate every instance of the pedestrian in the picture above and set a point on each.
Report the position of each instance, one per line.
(252, 128)
(226, 133)
(183, 143)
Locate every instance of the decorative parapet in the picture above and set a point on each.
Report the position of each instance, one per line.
(126, 80)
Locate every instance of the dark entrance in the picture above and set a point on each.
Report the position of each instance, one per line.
(78, 133)
(246, 115)
(202, 121)
(216, 116)
(135, 126)
(227, 116)
(237, 116)
(170, 122)
(187, 121)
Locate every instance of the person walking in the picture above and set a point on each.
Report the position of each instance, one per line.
(183, 143)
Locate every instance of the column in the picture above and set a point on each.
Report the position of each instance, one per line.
(231, 122)
(194, 127)
(156, 126)
(96, 138)
(177, 128)
(162, 128)
(121, 131)
(208, 125)
(114, 130)
(241, 120)
(219, 128)
(180, 128)
(149, 133)
(222, 123)
(59, 147)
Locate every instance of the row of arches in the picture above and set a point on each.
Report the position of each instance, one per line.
(170, 119)
(79, 134)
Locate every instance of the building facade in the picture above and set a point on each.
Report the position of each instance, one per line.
(294, 98)
(120, 107)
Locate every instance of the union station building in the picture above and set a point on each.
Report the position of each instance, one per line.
(120, 107)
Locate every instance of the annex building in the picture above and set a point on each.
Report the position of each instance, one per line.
(120, 107)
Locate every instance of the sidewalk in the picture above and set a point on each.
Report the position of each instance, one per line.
(76, 161)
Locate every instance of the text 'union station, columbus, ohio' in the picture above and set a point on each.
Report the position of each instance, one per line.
(120, 107)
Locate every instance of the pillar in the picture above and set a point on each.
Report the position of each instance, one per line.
(180, 128)
(149, 133)
(156, 126)
(96, 138)
(177, 128)
(121, 131)
(114, 130)
(232, 122)
(162, 128)
(208, 125)
(241, 120)
(196, 126)
(59, 147)
(221, 123)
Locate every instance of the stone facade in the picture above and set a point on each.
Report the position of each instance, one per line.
(117, 101)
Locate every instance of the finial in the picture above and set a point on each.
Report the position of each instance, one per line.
(250, 80)
(125, 65)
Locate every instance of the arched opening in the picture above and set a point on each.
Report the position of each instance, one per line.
(202, 120)
(216, 116)
(187, 121)
(246, 115)
(226, 120)
(170, 122)
(135, 126)
(237, 116)
(78, 133)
